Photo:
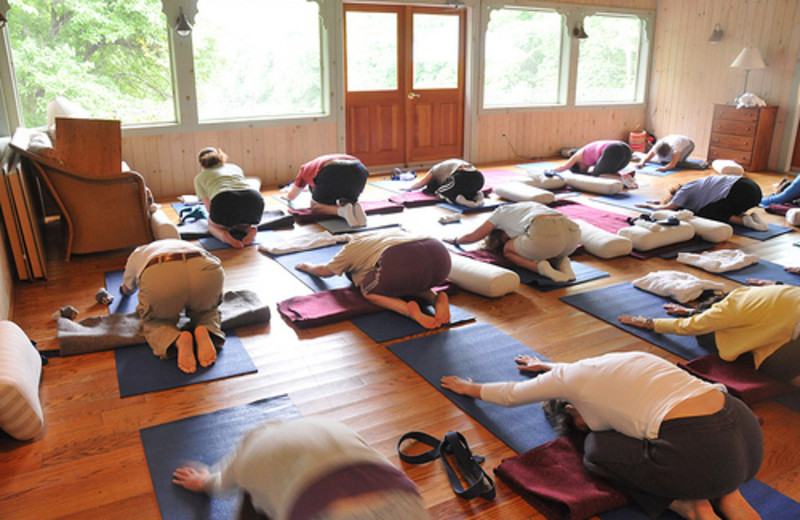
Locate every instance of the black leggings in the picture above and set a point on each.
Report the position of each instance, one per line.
(237, 208)
(744, 194)
(615, 157)
(781, 365)
(339, 180)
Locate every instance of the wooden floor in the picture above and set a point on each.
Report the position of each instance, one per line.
(89, 462)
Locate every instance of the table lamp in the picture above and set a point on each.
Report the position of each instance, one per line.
(749, 58)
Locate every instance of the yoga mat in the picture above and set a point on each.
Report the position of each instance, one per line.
(650, 169)
(770, 503)
(141, 372)
(608, 303)
(772, 232)
(214, 244)
(320, 255)
(626, 200)
(494, 177)
(605, 220)
(695, 245)
(392, 185)
(388, 325)
(765, 270)
(414, 199)
(483, 353)
(337, 226)
(539, 166)
(271, 219)
(203, 438)
(466, 210)
(122, 304)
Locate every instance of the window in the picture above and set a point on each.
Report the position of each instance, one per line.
(371, 51)
(522, 63)
(257, 59)
(436, 42)
(112, 58)
(608, 62)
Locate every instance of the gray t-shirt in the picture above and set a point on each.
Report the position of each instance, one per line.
(699, 193)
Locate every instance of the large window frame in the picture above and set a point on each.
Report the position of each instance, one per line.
(572, 15)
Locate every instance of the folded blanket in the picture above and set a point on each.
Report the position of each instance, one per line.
(303, 243)
(371, 207)
(110, 331)
(681, 287)
(325, 307)
(414, 199)
(719, 261)
(552, 479)
(739, 376)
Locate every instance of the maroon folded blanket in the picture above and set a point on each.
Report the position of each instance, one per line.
(489, 257)
(371, 207)
(738, 376)
(552, 478)
(413, 199)
(606, 220)
(325, 307)
(779, 209)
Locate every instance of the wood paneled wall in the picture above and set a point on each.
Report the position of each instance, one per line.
(690, 75)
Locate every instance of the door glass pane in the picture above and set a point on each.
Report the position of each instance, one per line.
(266, 63)
(436, 44)
(371, 51)
(523, 58)
(608, 64)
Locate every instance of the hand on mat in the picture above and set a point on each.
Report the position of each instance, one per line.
(793, 270)
(461, 386)
(673, 309)
(636, 321)
(647, 204)
(532, 364)
(191, 477)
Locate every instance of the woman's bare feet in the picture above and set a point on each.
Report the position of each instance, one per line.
(694, 509)
(442, 307)
(251, 236)
(734, 507)
(416, 314)
(186, 360)
(206, 352)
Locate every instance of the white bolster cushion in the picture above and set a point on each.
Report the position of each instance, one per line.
(727, 167)
(540, 180)
(482, 278)
(20, 369)
(602, 243)
(645, 238)
(601, 185)
(707, 229)
(519, 191)
(162, 226)
(793, 216)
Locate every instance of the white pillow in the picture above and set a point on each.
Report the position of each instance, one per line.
(592, 184)
(602, 243)
(646, 237)
(540, 180)
(707, 229)
(20, 369)
(727, 167)
(793, 216)
(482, 278)
(519, 191)
(162, 226)
(681, 287)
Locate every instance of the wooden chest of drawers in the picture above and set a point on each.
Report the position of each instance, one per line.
(743, 135)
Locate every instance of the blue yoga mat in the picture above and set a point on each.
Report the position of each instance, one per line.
(203, 438)
(320, 255)
(214, 244)
(485, 354)
(650, 169)
(389, 326)
(583, 273)
(608, 303)
(770, 503)
(626, 200)
(772, 232)
(122, 304)
(337, 226)
(141, 372)
(765, 270)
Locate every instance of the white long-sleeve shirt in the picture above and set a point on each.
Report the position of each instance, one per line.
(629, 392)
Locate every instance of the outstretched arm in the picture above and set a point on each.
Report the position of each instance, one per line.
(672, 163)
(315, 269)
(479, 233)
(192, 478)
(462, 386)
(569, 163)
(421, 182)
(646, 158)
(654, 204)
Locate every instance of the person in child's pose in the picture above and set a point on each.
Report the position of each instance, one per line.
(454, 180)
(600, 158)
(671, 151)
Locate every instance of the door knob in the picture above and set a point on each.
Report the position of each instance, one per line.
(412, 95)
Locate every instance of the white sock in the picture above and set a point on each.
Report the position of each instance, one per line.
(753, 221)
(545, 269)
(565, 267)
(360, 215)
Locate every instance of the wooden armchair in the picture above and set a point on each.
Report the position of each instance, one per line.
(101, 213)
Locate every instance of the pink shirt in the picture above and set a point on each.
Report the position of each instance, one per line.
(591, 152)
(309, 171)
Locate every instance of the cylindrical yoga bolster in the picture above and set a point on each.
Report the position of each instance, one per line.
(727, 167)
(482, 278)
(645, 239)
(162, 226)
(793, 216)
(592, 184)
(540, 180)
(707, 229)
(602, 243)
(520, 191)
(20, 369)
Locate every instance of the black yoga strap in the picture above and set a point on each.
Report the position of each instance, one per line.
(480, 484)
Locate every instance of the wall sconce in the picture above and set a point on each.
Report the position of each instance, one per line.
(749, 58)
(182, 25)
(578, 31)
(716, 35)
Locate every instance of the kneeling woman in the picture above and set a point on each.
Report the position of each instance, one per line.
(666, 438)
(455, 181)
(764, 321)
(532, 236)
(392, 266)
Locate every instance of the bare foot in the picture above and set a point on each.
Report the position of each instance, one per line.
(186, 360)
(694, 509)
(734, 507)
(232, 241)
(442, 307)
(416, 314)
(251, 236)
(206, 352)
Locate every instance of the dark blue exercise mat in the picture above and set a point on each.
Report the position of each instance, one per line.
(270, 219)
(770, 503)
(204, 438)
(122, 304)
(466, 210)
(389, 326)
(484, 354)
(772, 232)
(624, 199)
(765, 270)
(139, 371)
(214, 244)
(583, 273)
(650, 168)
(609, 302)
(337, 226)
(320, 255)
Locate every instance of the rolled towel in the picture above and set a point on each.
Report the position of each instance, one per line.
(718, 261)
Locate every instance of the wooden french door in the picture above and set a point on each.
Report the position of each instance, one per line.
(404, 78)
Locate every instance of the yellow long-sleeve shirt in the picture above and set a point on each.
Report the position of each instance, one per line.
(750, 319)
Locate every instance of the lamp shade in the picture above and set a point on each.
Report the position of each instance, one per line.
(749, 58)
